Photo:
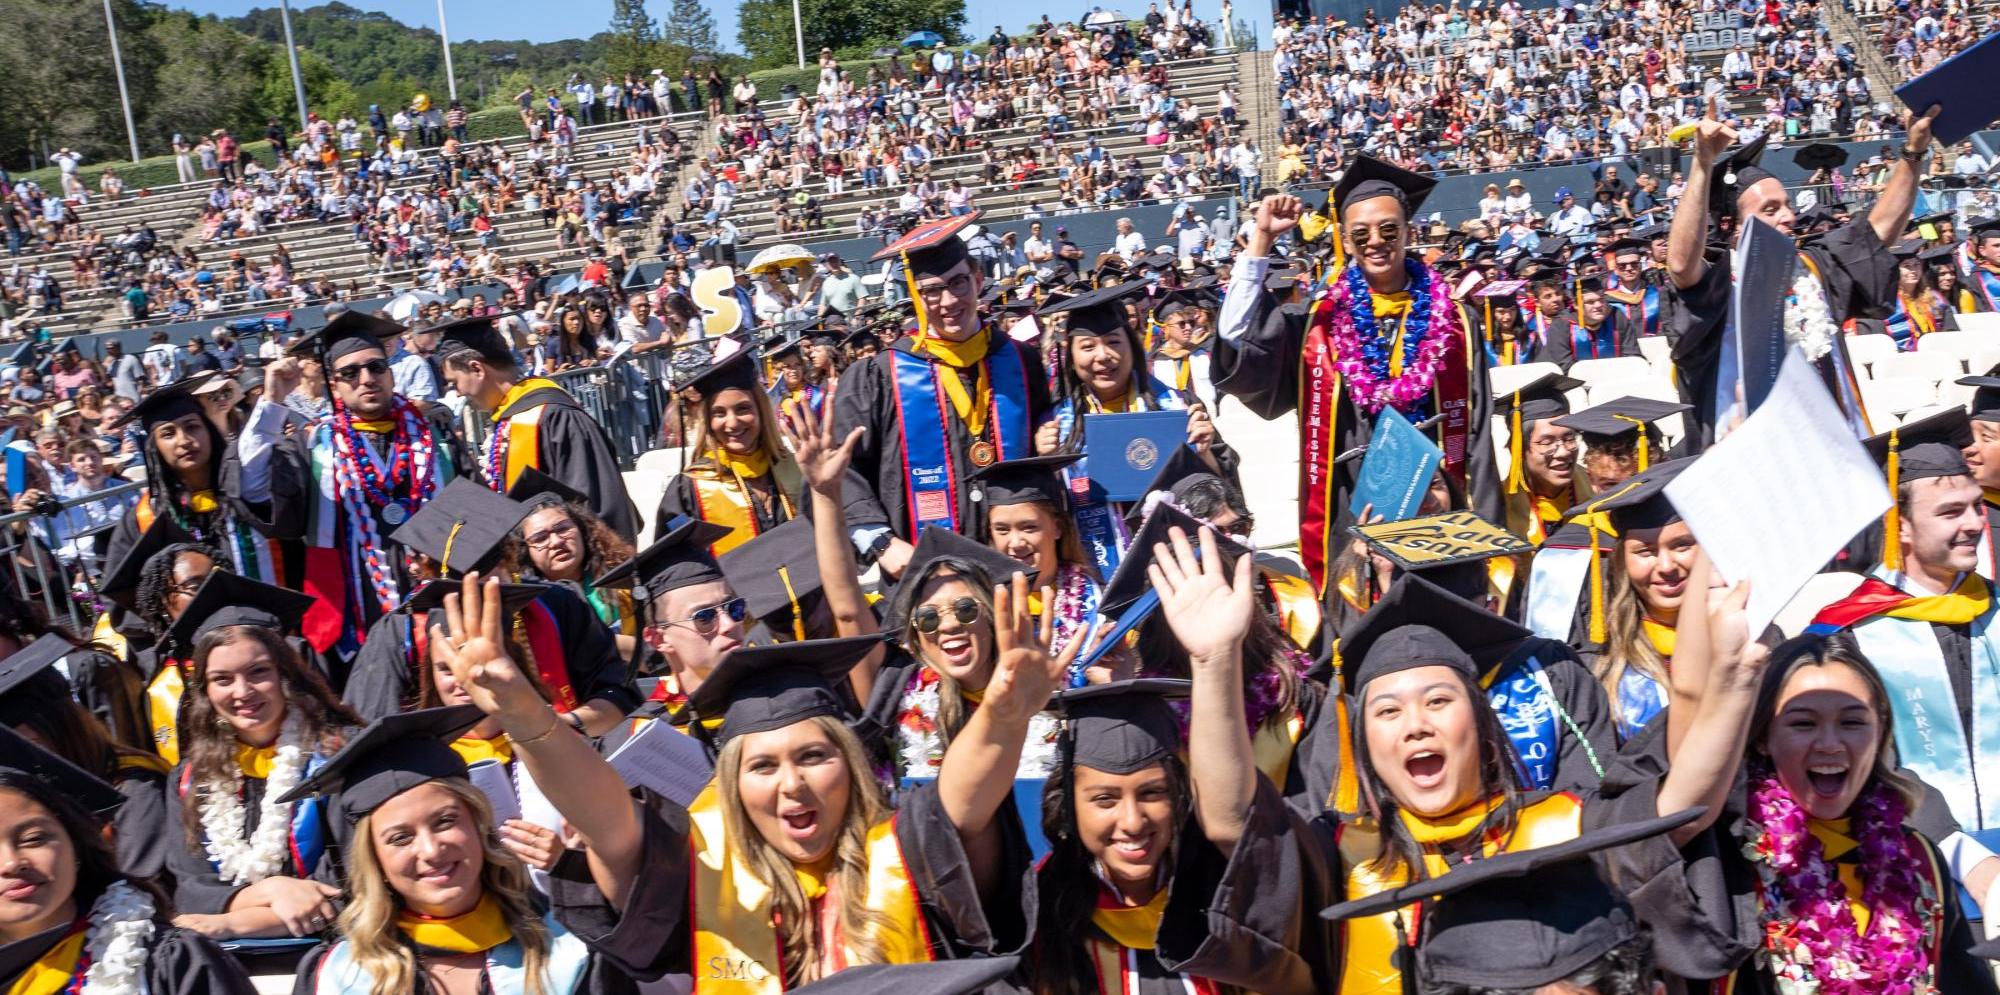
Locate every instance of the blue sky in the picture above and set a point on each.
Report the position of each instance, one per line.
(537, 20)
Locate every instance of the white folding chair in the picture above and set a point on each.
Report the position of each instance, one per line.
(1933, 366)
(1657, 350)
(1983, 359)
(1893, 397)
(1866, 349)
(1508, 379)
(1592, 371)
(1957, 345)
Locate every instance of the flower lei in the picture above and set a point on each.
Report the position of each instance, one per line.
(1361, 351)
(115, 948)
(1072, 607)
(247, 861)
(1808, 318)
(920, 736)
(1812, 945)
(364, 488)
(496, 458)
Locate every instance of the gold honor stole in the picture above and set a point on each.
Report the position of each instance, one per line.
(722, 501)
(52, 972)
(163, 708)
(1370, 942)
(736, 945)
(1130, 929)
(523, 432)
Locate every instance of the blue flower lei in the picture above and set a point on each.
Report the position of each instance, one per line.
(1375, 347)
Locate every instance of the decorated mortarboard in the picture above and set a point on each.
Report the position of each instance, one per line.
(1368, 177)
(1025, 480)
(32, 661)
(936, 544)
(1417, 623)
(121, 579)
(1985, 403)
(1443, 539)
(58, 775)
(430, 597)
(1638, 504)
(1932, 220)
(463, 528)
(479, 336)
(1122, 727)
(533, 488)
(761, 688)
(777, 574)
(708, 375)
(393, 754)
(1734, 173)
(1098, 312)
(226, 599)
(1601, 423)
(167, 403)
(349, 331)
(1129, 584)
(678, 559)
(963, 976)
(932, 248)
(1484, 928)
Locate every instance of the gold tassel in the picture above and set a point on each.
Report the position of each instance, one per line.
(1346, 796)
(916, 302)
(798, 617)
(1514, 444)
(1597, 633)
(1892, 523)
(1645, 441)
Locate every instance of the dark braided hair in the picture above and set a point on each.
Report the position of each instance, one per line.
(151, 596)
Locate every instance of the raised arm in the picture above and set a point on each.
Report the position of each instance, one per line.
(1705, 767)
(1208, 608)
(592, 798)
(1891, 213)
(1689, 232)
(824, 466)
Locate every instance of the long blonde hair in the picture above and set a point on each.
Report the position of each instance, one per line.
(1625, 644)
(802, 949)
(369, 921)
(767, 424)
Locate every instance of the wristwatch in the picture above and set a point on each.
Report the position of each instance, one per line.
(1914, 156)
(877, 548)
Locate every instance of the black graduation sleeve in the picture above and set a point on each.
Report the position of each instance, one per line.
(648, 937)
(382, 680)
(1261, 368)
(596, 671)
(677, 499)
(141, 829)
(1482, 472)
(575, 450)
(293, 489)
(1628, 333)
(1557, 346)
(1858, 270)
(876, 726)
(1957, 969)
(960, 923)
(186, 963)
(866, 400)
(1252, 920)
(1697, 334)
(114, 692)
(1317, 758)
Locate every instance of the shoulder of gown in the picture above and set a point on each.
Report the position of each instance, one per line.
(648, 936)
(1261, 368)
(961, 924)
(183, 962)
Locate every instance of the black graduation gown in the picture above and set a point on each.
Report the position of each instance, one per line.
(140, 827)
(876, 480)
(1262, 368)
(228, 490)
(576, 450)
(385, 676)
(652, 937)
(115, 692)
(178, 962)
(197, 887)
(1859, 275)
(1559, 347)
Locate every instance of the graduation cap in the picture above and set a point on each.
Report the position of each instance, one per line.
(1985, 403)
(394, 754)
(1941, 256)
(1907, 249)
(479, 336)
(1098, 312)
(1640, 503)
(348, 331)
(1542, 397)
(1417, 623)
(1122, 727)
(1984, 228)
(167, 403)
(734, 371)
(32, 663)
(1735, 173)
(963, 976)
(463, 528)
(1603, 424)
(1450, 548)
(1021, 481)
(57, 776)
(1487, 929)
(1594, 283)
(532, 488)
(864, 336)
(761, 688)
(776, 574)
(1820, 155)
(1279, 283)
(1628, 246)
(1368, 177)
(227, 599)
(936, 547)
(1129, 582)
(930, 249)
(121, 581)
(430, 597)
(1177, 301)
(789, 347)
(678, 559)
(1926, 227)
(1651, 233)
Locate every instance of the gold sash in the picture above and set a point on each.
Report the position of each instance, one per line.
(52, 971)
(722, 501)
(163, 707)
(1299, 609)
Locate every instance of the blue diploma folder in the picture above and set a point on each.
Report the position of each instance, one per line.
(1126, 450)
(1397, 470)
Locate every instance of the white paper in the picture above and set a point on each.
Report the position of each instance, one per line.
(674, 765)
(493, 781)
(1783, 493)
(535, 806)
(1026, 330)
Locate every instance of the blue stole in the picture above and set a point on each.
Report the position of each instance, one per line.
(1640, 698)
(1901, 327)
(1929, 737)
(928, 467)
(1986, 284)
(1601, 344)
(506, 969)
(1644, 312)
(308, 827)
(1098, 523)
(1520, 692)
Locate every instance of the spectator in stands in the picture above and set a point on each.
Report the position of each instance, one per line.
(128, 373)
(197, 358)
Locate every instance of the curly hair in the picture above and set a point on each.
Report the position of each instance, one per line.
(151, 595)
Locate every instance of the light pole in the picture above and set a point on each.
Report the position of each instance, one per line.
(450, 78)
(799, 33)
(292, 53)
(125, 99)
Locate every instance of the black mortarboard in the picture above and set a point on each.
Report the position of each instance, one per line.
(760, 688)
(934, 544)
(1020, 481)
(346, 332)
(1932, 220)
(1098, 312)
(1908, 248)
(1985, 227)
(1640, 503)
(678, 559)
(476, 335)
(532, 488)
(1652, 232)
(790, 347)
(1932, 446)
(1985, 403)
(430, 597)
(932, 248)
(32, 661)
(1129, 581)
(1613, 419)
(464, 528)
(940, 977)
(777, 574)
(1542, 397)
(735, 371)
(860, 337)
(1489, 930)
(226, 599)
(1122, 727)
(1594, 283)
(168, 403)
(1628, 246)
(1367, 177)
(1733, 174)
(57, 775)
(1415, 624)
(393, 754)
(121, 580)
(1940, 256)
(1177, 301)
(1279, 283)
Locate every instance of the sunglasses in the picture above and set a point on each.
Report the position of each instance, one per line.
(350, 374)
(706, 620)
(927, 618)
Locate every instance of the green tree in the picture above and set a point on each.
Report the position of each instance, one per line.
(57, 78)
(690, 26)
(212, 79)
(764, 29)
(634, 42)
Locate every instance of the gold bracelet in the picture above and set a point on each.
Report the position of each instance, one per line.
(554, 721)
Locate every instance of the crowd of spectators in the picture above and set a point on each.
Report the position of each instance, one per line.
(1916, 36)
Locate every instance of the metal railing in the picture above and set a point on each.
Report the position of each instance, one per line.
(48, 563)
(629, 396)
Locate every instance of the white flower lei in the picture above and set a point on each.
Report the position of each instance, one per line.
(1808, 319)
(922, 745)
(121, 927)
(241, 861)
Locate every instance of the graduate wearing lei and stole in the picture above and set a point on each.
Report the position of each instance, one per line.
(738, 475)
(1383, 331)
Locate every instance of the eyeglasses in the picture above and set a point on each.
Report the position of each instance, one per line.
(706, 620)
(187, 588)
(351, 374)
(927, 618)
(1363, 234)
(1562, 443)
(552, 533)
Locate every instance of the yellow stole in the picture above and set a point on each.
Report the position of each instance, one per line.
(1130, 928)
(1299, 610)
(52, 971)
(475, 932)
(723, 498)
(1661, 636)
(472, 749)
(163, 709)
(524, 436)
(1964, 603)
(1273, 743)
(969, 354)
(736, 944)
(1835, 843)
(255, 761)
(1371, 941)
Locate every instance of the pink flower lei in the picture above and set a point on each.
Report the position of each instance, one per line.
(1811, 939)
(1361, 348)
